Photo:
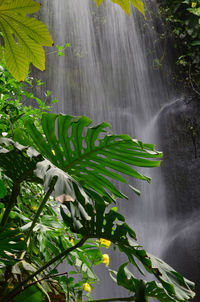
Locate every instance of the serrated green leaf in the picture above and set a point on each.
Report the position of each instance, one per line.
(24, 7)
(14, 57)
(30, 35)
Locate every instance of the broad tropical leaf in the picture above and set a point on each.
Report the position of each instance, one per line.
(24, 37)
(112, 226)
(126, 6)
(92, 159)
(183, 292)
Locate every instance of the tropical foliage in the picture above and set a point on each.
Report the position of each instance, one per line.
(183, 26)
(57, 196)
(24, 37)
(57, 203)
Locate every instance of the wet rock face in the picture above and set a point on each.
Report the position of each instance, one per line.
(179, 125)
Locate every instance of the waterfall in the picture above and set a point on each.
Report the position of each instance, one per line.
(107, 74)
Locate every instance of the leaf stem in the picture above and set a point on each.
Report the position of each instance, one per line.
(39, 211)
(41, 207)
(12, 201)
(20, 286)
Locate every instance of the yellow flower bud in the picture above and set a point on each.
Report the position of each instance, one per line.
(72, 241)
(105, 242)
(10, 286)
(53, 152)
(87, 287)
(22, 238)
(106, 259)
(34, 208)
(194, 4)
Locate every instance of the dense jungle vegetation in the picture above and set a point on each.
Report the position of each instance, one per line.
(178, 23)
(57, 195)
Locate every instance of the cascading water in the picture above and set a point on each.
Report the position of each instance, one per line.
(106, 75)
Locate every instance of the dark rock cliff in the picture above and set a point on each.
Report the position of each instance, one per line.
(179, 125)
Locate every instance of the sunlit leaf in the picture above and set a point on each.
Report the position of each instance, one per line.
(24, 37)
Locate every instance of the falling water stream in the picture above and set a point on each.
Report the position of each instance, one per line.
(107, 75)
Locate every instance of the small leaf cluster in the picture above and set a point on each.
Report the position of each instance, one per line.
(13, 109)
(62, 48)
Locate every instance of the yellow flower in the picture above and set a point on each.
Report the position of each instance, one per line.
(72, 241)
(53, 152)
(34, 208)
(106, 259)
(105, 242)
(87, 287)
(10, 286)
(194, 4)
(22, 238)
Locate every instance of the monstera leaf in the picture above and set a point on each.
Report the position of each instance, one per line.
(181, 290)
(24, 37)
(112, 226)
(92, 158)
(125, 5)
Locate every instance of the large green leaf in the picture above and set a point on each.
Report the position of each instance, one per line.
(126, 6)
(112, 226)
(94, 158)
(153, 288)
(24, 37)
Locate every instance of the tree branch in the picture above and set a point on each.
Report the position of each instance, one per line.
(12, 202)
